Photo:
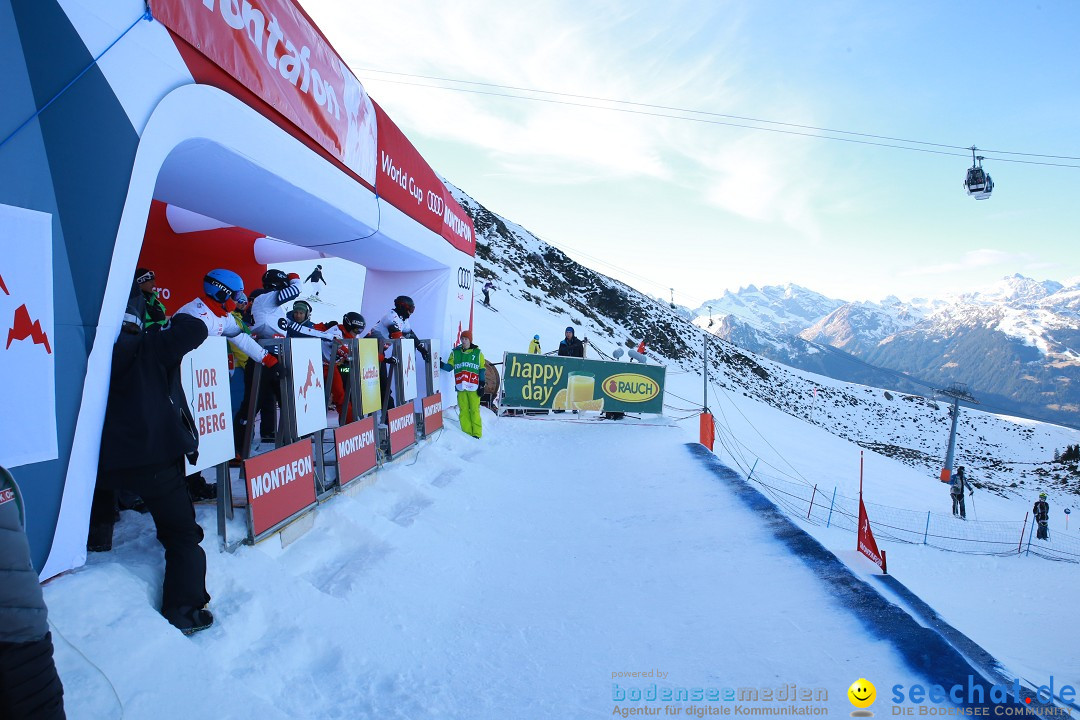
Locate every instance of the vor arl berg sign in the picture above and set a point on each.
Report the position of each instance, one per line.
(204, 374)
(561, 383)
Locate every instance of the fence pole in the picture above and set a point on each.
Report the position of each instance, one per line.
(831, 503)
(1020, 545)
(1032, 532)
(926, 532)
(812, 496)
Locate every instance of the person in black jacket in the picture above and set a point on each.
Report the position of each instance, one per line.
(155, 309)
(147, 433)
(571, 346)
(1041, 510)
(29, 685)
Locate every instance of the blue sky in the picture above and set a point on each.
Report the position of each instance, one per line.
(704, 207)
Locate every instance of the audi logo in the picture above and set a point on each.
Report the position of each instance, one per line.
(435, 203)
(464, 278)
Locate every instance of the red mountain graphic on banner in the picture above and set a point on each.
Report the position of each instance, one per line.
(311, 381)
(23, 327)
(867, 544)
(3, 286)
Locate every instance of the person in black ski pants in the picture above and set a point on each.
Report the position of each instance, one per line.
(148, 431)
(956, 491)
(1042, 517)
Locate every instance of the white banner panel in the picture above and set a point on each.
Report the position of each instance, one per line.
(436, 359)
(205, 376)
(408, 370)
(308, 393)
(27, 363)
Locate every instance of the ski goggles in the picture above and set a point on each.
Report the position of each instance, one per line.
(145, 277)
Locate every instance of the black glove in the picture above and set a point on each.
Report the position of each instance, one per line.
(283, 323)
(332, 323)
(424, 353)
(480, 391)
(390, 361)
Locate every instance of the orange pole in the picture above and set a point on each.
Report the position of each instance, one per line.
(707, 432)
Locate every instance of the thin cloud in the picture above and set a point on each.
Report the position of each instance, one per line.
(973, 259)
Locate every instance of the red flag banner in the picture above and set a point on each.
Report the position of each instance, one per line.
(867, 544)
(273, 49)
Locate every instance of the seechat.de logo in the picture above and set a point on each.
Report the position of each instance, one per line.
(631, 387)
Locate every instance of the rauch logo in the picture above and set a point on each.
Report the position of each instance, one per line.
(631, 387)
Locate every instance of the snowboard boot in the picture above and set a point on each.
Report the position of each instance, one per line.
(189, 620)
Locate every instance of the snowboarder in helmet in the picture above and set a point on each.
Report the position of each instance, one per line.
(404, 306)
(301, 311)
(353, 322)
(222, 286)
(1042, 517)
(275, 279)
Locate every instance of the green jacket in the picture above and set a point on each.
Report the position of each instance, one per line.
(468, 368)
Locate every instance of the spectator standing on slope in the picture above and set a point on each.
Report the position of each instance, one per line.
(1041, 510)
(571, 346)
(467, 363)
(956, 490)
(534, 346)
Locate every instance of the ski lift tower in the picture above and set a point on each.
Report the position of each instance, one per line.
(958, 392)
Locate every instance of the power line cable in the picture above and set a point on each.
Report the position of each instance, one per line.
(711, 121)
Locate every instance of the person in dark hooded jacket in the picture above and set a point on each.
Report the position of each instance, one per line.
(571, 346)
(147, 433)
(29, 685)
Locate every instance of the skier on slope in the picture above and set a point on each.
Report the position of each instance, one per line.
(1041, 511)
(467, 363)
(534, 346)
(487, 289)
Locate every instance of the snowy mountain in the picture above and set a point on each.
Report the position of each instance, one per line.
(780, 309)
(612, 315)
(1015, 343)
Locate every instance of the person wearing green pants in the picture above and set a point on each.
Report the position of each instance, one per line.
(467, 363)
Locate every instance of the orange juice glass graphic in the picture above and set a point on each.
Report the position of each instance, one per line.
(580, 387)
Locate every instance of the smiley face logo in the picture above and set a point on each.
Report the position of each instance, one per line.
(862, 693)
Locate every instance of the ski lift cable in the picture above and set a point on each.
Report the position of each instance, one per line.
(707, 113)
(710, 121)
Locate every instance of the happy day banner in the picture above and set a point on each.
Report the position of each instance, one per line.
(563, 383)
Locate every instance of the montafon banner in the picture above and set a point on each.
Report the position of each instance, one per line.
(272, 49)
(563, 383)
